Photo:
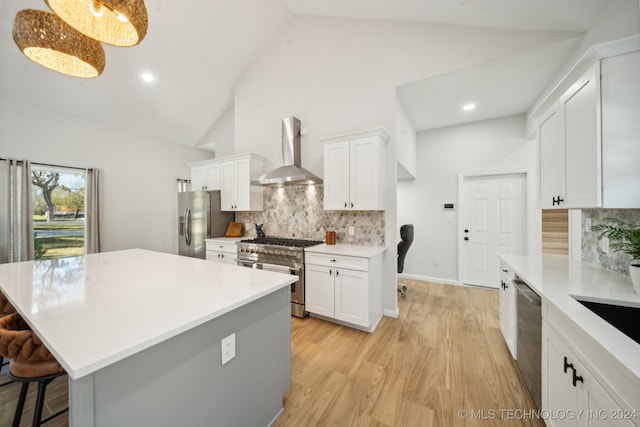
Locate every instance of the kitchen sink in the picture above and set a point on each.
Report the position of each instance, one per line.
(625, 319)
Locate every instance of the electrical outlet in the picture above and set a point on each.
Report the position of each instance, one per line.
(604, 245)
(436, 261)
(587, 225)
(352, 231)
(228, 346)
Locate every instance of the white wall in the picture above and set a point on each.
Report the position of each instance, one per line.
(138, 194)
(442, 154)
(405, 144)
(339, 75)
(221, 135)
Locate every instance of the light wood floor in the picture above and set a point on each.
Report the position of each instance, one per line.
(443, 354)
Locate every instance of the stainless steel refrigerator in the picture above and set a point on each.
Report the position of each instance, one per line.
(200, 217)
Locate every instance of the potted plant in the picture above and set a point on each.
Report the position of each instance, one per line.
(625, 238)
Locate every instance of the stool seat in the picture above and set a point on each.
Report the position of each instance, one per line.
(30, 370)
(31, 361)
(5, 306)
(5, 309)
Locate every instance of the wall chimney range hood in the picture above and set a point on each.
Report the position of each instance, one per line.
(292, 173)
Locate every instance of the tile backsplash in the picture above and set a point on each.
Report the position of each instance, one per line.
(591, 251)
(298, 212)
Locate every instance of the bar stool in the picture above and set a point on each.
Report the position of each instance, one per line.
(30, 362)
(5, 309)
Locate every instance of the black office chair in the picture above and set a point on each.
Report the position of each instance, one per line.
(406, 234)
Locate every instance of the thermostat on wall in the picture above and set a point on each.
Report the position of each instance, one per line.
(448, 205)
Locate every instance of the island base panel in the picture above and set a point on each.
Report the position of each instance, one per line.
(181, 381)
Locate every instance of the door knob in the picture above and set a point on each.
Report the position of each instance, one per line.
(466, 230)
(466, 238)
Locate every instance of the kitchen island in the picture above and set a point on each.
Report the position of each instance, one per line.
(139, 333)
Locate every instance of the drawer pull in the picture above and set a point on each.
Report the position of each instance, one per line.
(577, 378)
(567, 364)
(333, 260)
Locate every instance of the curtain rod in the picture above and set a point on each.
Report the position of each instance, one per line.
(54, 166)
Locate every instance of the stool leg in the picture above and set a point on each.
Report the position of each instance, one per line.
(20, 407)
(42, 386)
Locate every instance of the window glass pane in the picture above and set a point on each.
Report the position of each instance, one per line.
(58, 212)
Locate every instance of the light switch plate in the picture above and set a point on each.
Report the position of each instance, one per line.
(228, 348)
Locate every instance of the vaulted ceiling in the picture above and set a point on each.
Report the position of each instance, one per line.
(197, 50)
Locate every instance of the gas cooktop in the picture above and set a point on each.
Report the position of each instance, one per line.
(282, 241)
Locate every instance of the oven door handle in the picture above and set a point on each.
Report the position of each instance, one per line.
(280, 269)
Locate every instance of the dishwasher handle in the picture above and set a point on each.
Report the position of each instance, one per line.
(524, 290)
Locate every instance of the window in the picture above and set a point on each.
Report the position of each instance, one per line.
(58, 211)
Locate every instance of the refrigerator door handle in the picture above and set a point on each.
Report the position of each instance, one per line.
(187, 222)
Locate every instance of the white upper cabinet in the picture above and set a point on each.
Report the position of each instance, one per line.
(621, 131)
(589, 142)
(336, 175)
(237, 193)
(205, 176)
(231, 175)
(354, 171)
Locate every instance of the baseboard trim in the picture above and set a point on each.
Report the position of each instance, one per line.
(392, 313)
(430, 279)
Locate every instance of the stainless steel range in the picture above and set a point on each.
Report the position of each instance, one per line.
(281, 255)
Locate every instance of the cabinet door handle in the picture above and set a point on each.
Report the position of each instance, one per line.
(351, 204)
(332, 260)
(567, 365)
(345, 204)
(330, 272)
(504, 270)
(337, 273)
(577, 378)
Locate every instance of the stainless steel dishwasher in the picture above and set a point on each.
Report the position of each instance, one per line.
(529, 308)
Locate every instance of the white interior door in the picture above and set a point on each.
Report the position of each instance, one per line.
(494, 223)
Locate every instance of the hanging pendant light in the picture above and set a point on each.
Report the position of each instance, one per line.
(49, 41)
(117, 22)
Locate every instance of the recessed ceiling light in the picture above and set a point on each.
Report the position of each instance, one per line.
(469, 107)
(147, 77)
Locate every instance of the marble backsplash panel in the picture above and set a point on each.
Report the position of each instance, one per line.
(298, 212)
(591, 251)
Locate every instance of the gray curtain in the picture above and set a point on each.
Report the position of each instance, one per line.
(16, 215)
(92, 212)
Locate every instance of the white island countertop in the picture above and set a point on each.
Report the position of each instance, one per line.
(92, 311)
(559, 281)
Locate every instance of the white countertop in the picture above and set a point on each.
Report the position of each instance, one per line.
(94, 310)
(557, 280)
(345, 249)
(225, 239)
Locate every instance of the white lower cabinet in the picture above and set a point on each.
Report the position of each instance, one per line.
(344, 289)
(222, 251)
(571, 395)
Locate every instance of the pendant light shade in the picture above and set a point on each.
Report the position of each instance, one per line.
(116, 22)
(49, 41)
